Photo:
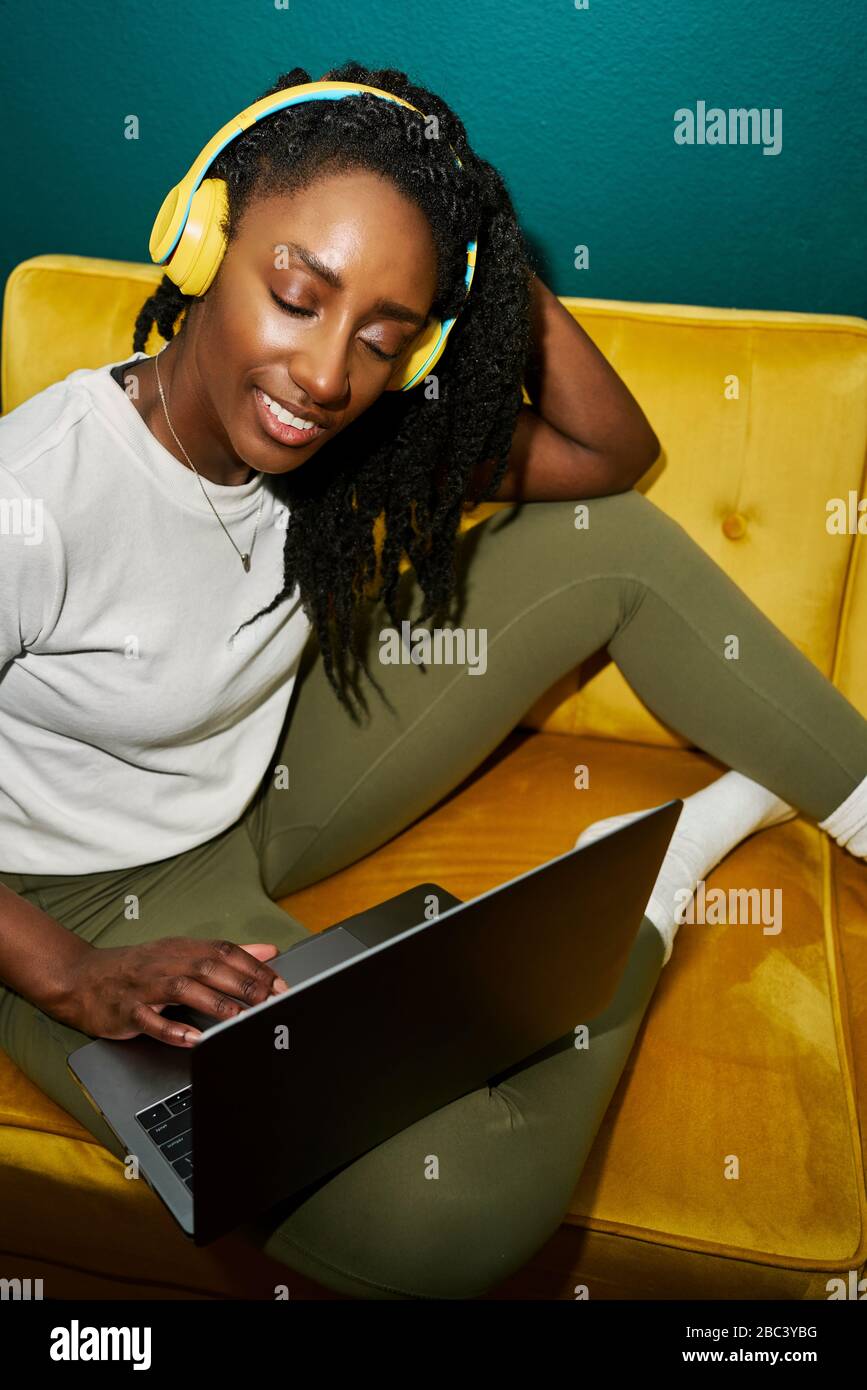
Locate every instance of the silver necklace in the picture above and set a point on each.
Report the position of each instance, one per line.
(245, 555)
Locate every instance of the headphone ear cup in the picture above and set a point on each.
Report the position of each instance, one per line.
(423, 355)
(197, 256)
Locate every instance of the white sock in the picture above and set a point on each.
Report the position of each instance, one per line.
(848, 824)
(713, 821)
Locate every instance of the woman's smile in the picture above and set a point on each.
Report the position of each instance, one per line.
(282, 425)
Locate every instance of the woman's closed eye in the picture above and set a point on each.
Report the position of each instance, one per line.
(300, 312)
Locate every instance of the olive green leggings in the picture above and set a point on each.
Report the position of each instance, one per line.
(548, 595)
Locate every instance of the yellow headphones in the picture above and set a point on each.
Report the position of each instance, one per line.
(187, 226)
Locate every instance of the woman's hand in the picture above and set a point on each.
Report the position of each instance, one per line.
(119, 991)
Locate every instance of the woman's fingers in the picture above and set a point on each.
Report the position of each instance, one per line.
(262, 950)
(152, 1023)
(236, 971)
(266, 950)
(223, 981)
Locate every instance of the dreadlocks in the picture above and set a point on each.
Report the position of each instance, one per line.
(407, 465)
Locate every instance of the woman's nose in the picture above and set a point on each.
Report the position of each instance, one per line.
(320, 369)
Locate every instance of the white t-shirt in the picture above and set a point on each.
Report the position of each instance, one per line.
(132, 725)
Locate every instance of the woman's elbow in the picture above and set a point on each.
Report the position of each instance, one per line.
(640, 458)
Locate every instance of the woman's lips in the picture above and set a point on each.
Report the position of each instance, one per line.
(284, 434)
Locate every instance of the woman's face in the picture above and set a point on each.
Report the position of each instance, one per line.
(357, 261)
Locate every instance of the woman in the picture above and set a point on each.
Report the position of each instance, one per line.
(160, 792)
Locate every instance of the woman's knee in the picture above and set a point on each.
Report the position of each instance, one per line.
(455, 1261)
(615, 531)
(445, 1211)
(628, 521)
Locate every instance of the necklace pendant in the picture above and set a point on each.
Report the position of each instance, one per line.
(245, 556)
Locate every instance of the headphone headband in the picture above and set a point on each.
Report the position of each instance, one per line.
(187, 226)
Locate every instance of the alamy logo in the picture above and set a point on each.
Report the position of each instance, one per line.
(851, 1287)
(846, 516)
(22, 516)
(738, 907)
(77, 1343)
(444, 646)
(738, 126)
(23, 1289)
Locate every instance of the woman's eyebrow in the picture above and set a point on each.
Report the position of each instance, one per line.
(388, 308)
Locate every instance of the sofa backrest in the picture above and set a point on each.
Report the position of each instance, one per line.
(762, 417)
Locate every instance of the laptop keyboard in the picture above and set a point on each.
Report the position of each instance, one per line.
(169, 1125)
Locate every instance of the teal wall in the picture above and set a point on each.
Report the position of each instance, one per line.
(575, 106)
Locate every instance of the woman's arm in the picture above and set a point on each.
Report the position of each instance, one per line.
(584, 434)
(36, 951)
(119, 991)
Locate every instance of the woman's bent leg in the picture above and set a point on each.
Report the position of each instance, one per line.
(545, 595)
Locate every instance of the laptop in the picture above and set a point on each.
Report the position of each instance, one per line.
(391, 1014)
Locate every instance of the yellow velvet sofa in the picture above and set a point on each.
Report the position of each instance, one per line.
(751, 1045)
